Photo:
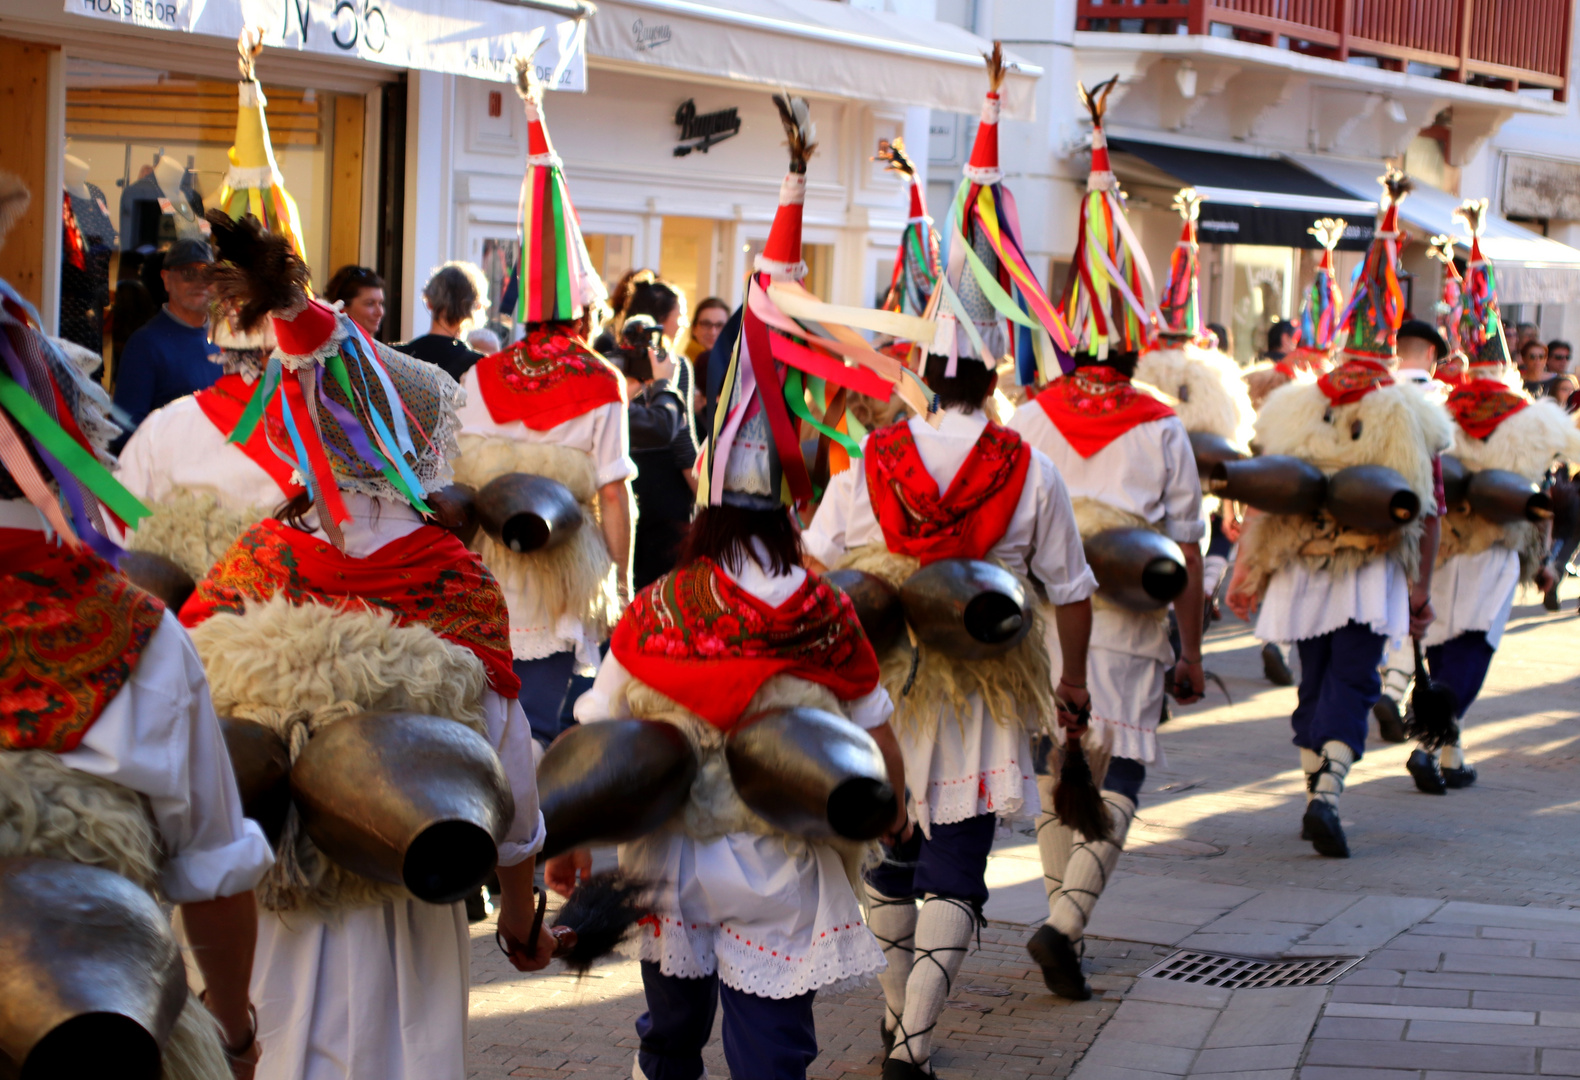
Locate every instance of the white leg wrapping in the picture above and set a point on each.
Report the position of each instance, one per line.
(943, 934)
(1398, 671)
(893, 923)
(1310, 762)
(1212, 570)
(1452, 757)
(1328, 780)
(1091, 863)
(1054, 841)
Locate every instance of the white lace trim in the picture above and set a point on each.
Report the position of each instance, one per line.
(255, 179)
(537, 643)
(780, 271)
(991, 107)
(792, 189)
(1002, 791)
(985, 177)
(840, 957)
(1138, 742)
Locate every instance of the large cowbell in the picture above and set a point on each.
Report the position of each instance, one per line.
(1138, 569)
(966, 608)
(526, 512)
(91, 979)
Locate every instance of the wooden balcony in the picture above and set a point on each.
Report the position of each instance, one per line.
(1506, 44)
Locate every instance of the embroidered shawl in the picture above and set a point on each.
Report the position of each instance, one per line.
(702, 640)
(1094, 405)
(71, 631)
(1480, 405)
(427, 578)
(1353, 380)
(546, 379)
(963, 522)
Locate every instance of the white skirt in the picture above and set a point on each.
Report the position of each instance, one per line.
(1125, 663)
(1474, 592)
(1302, 603)
(772, 916)
(962, 767)
(374, 993)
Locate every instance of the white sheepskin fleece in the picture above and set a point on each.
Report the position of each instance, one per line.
(296, 670)
(193, 530)
(1529, 442)
(1208, 389)
(576, 578)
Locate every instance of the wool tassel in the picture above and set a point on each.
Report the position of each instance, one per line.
(1076, 801)
(1435, 706)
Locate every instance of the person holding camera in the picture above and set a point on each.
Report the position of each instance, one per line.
(662, 445)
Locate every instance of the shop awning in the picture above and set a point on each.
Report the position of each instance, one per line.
(1246, 199)
(812, 46)
(1531, 269)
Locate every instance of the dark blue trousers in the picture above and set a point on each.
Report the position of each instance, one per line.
(1339, 684)
(544, 684)
(764, 1038)
(1462, 663)
(953, 863)
(1125, 775)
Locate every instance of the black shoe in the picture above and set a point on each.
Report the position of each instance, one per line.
(1424, 771)
(1061, 966)
(1321, 826)
(895, 1069)
(1274, 667)
(477, 906)
(1461, 777)
(1550, 600)
(1390, 725)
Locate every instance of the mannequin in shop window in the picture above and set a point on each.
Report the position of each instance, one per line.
(87, 243)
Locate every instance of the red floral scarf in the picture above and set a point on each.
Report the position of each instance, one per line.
(426, 578)
(546, 379)
(223, 404)
(963, 522)
(71, 631)
(698, 638)
(1480, 405)
(1094, 405)
(1354, 379)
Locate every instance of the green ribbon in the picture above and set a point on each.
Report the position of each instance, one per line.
(66, 450)
(992, 289)
(254, 410)
(795, 397)
(337, 367)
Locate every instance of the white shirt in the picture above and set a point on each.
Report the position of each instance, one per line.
(178, 447)
(1148, 471)
(601, 433)
(1041, 538)
(159, 737)
(377, 522)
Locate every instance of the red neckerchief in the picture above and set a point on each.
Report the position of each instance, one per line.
(1480, 405)
(1094, 405)
(546, 379)
(963, 522)
(697, 637)
(223, 404)
(1354, 379)
(427, 578)
(71, 631)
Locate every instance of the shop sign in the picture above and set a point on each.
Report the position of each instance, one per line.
(1541, 187)
(477, 38)
(707, 129)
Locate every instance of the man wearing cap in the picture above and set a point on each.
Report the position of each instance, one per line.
(168, 357)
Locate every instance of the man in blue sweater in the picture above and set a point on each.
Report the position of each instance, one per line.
(169, 356)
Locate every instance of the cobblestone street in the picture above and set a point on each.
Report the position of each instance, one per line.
(1214, 862)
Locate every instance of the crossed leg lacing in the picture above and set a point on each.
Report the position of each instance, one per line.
(893, 923)
(1326, 780)
(1088, 866)
(943, 937)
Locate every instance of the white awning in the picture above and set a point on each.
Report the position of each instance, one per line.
(813, 46)
(1531, 269)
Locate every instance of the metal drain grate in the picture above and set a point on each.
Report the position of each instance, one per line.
(1241, 972)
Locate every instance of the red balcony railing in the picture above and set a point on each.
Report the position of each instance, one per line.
(1501, 43)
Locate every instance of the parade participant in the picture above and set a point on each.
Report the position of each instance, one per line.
(1343, 594)
(550, 406)
(348, 603)
(951, 484)
(1126, 459)
(745, 915)
(204, 489)
(1480, 564)
(110, 754)
(1320, 311)
(1206, 385)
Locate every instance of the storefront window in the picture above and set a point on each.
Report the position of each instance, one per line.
(146, 152)
(1263, 289)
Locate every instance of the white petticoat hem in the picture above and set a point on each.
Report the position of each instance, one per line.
(537, 643)
(1121, 739)
(1006, 791)
(841, 957)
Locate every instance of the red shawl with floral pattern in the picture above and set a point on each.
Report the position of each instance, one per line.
(961, 523)
(426, 578)
(1354, 379)
(700, 639)
(71, 631)
(547, 378)
(1480, 405)
(1094, 405)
